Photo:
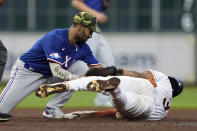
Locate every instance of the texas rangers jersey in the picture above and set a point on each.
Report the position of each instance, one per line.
(162, 96)
(55, 47)
(95, 4)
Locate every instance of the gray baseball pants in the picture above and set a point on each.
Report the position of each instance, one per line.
(22, 83)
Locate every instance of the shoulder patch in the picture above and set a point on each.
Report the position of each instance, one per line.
(54, 55)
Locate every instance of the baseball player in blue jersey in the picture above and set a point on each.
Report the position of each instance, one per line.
(98, 43)
(101, 51)
(53, 55)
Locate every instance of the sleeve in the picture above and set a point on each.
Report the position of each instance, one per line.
(52, 48)
(89, 58)
(159, 76)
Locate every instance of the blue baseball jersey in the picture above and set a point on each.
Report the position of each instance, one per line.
(95, 4)
(55, 47)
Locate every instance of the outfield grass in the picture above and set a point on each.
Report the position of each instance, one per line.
(187, 100)
(79, 99)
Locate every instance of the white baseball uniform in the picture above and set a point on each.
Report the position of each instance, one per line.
(136, 97)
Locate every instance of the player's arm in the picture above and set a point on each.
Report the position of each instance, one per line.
(59, 72)
(81, 6)
(113, 71)
(145, 74)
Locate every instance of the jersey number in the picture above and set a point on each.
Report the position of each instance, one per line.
(166, 104)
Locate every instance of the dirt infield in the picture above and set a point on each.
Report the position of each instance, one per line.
(31, 120)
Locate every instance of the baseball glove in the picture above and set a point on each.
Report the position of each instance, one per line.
(108, 71)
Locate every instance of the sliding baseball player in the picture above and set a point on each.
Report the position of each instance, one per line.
(146, 95)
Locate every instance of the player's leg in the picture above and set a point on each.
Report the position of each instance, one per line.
(91, 83)
(54, 106)
(134, 97)
(22, 82)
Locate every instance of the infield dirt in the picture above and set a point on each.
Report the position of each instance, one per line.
(31, 120)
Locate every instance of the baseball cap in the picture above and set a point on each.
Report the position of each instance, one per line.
(177, 85)
(88, 20)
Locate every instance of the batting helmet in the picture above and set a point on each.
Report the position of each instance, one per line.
(177, 85)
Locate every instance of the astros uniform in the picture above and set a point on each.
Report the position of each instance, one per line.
(137, 97)
(32, 68)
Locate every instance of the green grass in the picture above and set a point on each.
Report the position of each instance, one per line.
(79, 99)
(187, 100)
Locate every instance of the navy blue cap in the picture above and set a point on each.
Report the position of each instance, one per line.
(177, 85)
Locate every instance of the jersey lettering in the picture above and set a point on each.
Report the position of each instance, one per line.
(166, 104)
(66, 62)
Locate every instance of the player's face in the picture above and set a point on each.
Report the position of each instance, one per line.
(83, 35)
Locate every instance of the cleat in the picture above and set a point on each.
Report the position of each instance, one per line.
(56, 113)
(103, 85)
(5, 117)
(48, 89)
